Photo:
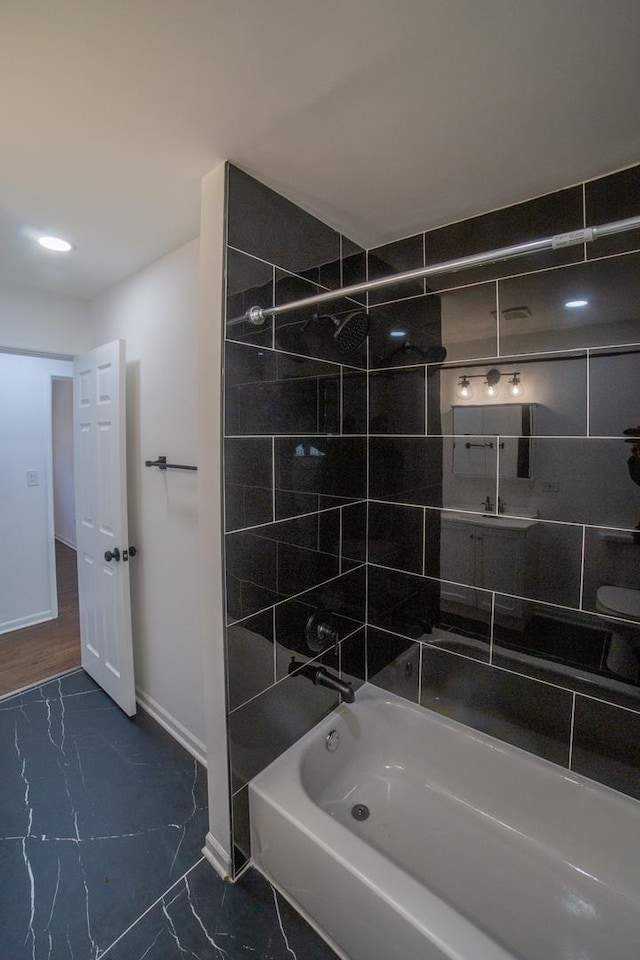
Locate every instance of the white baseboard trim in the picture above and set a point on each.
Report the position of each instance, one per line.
(66, 542)
(42, 617)
(217, 857)
(179, 732)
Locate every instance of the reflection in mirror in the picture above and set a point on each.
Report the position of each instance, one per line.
(609, 314)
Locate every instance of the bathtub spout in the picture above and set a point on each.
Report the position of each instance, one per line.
(322, 678)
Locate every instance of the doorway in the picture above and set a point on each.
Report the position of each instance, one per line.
(39, 629)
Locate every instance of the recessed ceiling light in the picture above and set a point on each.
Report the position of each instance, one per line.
(398, 333)
(576, 303)
(55, 243)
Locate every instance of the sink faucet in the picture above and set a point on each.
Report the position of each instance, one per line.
(322, 678)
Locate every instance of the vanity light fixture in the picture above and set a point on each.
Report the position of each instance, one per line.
(57, 244)
(491, 379)
(398, 333)
(572, 304)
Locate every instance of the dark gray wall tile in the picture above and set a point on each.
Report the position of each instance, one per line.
(248, 482)
(614, 197)
(265, 727)
(393, 663)
(396, 536)
(610, 315)
(614, 376)
(265, 224)
(396, 257)
(250, 658)
(606, 745)
(333, 467)
(249, 284)
(545, 216)
(406, 470)
(397, 401)
(525, 713)
(404, 333)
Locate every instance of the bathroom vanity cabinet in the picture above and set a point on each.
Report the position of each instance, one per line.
(491, 553)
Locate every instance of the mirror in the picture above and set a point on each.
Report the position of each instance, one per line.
(503, 426)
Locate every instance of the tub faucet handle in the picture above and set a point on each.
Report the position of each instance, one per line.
(320, 634)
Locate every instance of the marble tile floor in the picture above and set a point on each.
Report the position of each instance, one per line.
(102, 821)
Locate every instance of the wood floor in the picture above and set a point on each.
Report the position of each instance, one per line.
(36, 653)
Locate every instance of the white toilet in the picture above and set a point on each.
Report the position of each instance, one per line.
(623, 657)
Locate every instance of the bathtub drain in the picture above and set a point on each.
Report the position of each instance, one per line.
(360, 811)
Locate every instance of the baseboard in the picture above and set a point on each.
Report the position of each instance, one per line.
(217, 857)
(66, 542)
(42, 617)
(179, 732)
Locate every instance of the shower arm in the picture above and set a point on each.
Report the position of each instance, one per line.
(258, 315)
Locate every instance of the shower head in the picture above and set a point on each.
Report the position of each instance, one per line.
(350, 330)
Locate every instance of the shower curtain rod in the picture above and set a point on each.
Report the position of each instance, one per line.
(258, 315)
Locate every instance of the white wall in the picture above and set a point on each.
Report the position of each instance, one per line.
(64, 516)
(218, 842)
(37, 322)
(26, 520)
(155, 312)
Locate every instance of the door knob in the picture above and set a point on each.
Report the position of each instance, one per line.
(112, 555)
(131, 552)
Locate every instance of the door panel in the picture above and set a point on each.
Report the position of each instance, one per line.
(101, 521)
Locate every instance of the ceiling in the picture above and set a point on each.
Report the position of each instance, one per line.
(383, 117)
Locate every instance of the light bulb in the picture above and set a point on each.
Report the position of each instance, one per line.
(465, 390)
(515, 386)
(490, 389)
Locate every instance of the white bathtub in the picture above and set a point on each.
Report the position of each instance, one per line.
(473, 849)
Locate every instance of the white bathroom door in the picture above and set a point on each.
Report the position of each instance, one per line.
(101, 521)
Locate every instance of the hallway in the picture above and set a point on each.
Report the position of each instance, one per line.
(103, 820)
(34, 654)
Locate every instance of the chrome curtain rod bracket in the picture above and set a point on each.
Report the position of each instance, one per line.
(258, 315)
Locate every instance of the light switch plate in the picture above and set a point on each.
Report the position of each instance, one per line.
(33, 478)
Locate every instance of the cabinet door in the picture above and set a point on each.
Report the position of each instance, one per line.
(502, 562)
(458, 562)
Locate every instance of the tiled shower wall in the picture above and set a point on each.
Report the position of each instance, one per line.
(295, 453)
(487, 615)
(494, 521)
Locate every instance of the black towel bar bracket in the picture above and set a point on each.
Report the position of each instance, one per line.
(161, 464)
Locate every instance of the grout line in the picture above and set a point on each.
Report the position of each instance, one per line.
(290, 353)
(584, 220)
(276, 683)
(424, 541)
(510, 516)
(149, 908)
(422, 646)
(341, 402)
(273, 480)
(572, 729)
(341, 540)
(582, 558)
(497, 282)
(341, 262)
(492, 622)
(295, 516)
(588, 388)
(497, 497)
(275, 644)
(294, 596)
